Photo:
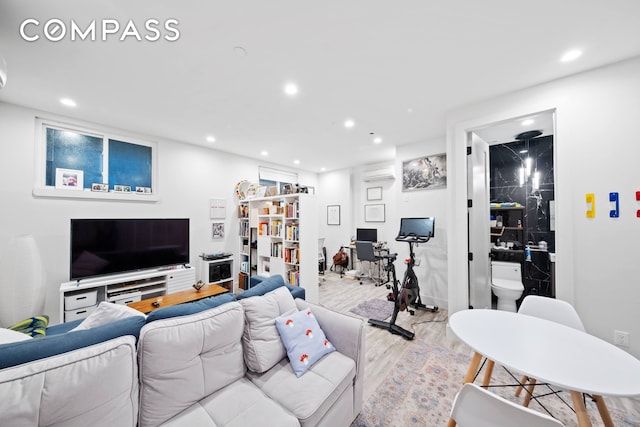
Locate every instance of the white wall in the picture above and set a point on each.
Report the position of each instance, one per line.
(334, 188)
(432, 272)
(596, 152)
(346, 188)
(188, 176)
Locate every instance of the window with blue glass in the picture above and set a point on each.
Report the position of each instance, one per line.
(101, 159)
(67, 149)
(129, 164)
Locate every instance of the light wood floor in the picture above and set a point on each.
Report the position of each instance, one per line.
(382, 347)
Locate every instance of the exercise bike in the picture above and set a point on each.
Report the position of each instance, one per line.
(408, 294)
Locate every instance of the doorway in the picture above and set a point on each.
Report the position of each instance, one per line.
(511, 202)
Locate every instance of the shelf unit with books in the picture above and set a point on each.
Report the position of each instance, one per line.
(286, 231)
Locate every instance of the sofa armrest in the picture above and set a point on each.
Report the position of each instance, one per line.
(345, 332)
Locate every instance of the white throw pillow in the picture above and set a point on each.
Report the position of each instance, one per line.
(7, 336)
(106, 313)
(263, 347)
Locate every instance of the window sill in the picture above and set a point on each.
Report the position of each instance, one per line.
(95, 195)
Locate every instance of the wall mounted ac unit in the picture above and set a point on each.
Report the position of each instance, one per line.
(379, 174)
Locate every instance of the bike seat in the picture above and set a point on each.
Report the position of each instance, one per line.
(390, 257)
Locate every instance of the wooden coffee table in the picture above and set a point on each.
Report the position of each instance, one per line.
(146, 305)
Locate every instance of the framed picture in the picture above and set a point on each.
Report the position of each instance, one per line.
(374, 193)
(143, 190)
(69, 179)
(333, 215)
(122, 188)
(374, 213)
(217, 230)
(217, 208)
(425, 173)
(102, 188)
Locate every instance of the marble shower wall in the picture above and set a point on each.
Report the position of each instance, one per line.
(505, 162)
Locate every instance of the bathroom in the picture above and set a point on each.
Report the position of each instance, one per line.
(522, 209)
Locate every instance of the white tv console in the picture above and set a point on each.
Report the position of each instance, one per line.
(80, 298)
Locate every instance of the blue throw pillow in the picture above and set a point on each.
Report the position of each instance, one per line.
(267, 285)
(305, 342)
(190, 307)
(21, 352)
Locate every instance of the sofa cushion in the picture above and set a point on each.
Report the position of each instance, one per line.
(263, 347)
(260, 285)
(35, 326)
(8, 336)
(239, 404)
(190, 308)
(310, 396)
(304, 339)
(107, 313)
(267, 284)
(27, 351)
(91, 386)
(185, 359)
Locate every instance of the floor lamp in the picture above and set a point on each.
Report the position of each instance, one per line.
(21, 281)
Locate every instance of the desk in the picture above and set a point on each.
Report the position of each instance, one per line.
(550, 352)
(379, 250)
(146, 305)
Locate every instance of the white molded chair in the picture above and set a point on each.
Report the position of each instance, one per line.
(477, 407)
(553, 310)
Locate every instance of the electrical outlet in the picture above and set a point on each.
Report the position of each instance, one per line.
(621, 338)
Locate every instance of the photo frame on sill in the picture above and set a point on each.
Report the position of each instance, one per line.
(374, 193)
(333, 215)
(374, 213)
(69, 179)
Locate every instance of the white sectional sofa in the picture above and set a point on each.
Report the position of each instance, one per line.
(195, 366)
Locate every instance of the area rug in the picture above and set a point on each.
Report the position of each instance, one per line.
(419, 391)
(376, 308)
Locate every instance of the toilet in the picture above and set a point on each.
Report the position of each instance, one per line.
(506, 284)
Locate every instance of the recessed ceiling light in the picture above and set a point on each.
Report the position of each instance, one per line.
(211, 139)
(409, 110)
(323, 169)
(296, 162)
(527, 122)
(68, 102)
(571, 55)
(264, 152)
(377, 140)
(349, 123)
(291, 89)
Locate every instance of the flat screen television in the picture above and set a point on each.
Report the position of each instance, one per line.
(421, 228)
(367, 234)
(108, 246)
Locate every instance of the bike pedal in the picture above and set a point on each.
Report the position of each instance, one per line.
(412, 312)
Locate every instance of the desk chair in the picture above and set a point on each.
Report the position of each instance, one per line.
(364, 251)
(476, 407)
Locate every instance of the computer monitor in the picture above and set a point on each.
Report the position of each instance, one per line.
(416, 227)
(367, 234)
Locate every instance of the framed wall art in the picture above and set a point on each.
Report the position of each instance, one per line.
(425, 173)
(374, 193)
(374, 213)
(333, 215)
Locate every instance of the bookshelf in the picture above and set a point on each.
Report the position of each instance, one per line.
(285, 229)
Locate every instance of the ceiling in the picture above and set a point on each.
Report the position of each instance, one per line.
(395, 68)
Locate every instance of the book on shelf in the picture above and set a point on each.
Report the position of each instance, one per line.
(294, 277)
